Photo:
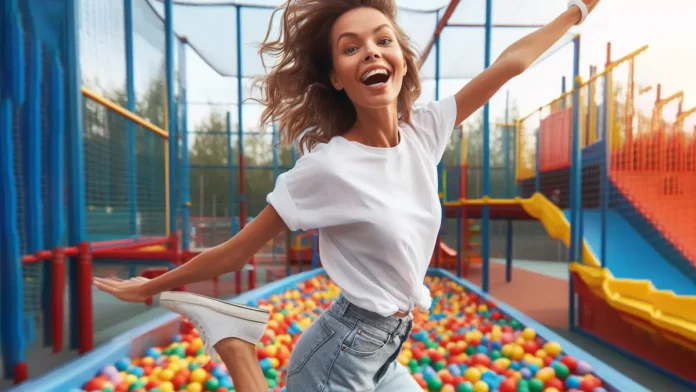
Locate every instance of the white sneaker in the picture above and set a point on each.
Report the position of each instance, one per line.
(215, 319)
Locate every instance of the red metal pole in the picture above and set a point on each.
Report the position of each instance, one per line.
(57, 303)
(84, 282)
(438, 30)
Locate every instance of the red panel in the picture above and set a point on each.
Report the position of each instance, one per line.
(605, 322)
(497, 211)
(554, 141)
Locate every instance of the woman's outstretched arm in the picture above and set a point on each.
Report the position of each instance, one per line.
(514, 60)
(229, 256)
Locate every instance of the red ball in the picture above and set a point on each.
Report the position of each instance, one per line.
(97, 383)
(178, 381)
(530, 347)
(570, 362)
(509, 385)
(554, 383)
(587, 385)
(481, 359)
(498, 369)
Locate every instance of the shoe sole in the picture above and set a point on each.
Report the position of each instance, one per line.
(243, 312)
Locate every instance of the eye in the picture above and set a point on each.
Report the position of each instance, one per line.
(385, 41)
(350, 50)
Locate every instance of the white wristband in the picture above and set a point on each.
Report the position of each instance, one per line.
(583, 8)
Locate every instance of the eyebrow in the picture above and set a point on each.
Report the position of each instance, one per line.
(351, 34)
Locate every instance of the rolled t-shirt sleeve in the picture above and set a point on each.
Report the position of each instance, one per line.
(309, 195)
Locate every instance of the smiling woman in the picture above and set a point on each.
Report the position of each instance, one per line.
(345, 86)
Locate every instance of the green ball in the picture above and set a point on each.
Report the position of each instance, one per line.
(435, 384)
(194, 365)
(284, 312)
(412, 364)
(426, 360)
(471, 350)
(561, 370)
(201, 351)
(110, 389)
(271, 383)
(151, 390)
(439, 365)
(136, 385)
(465, 386)
(271, 373)
(179, 352)
(431, 344)
(212, 384)
(522, 386)
(515, 325)
(536, 385)
(495, 354)
(502, 323)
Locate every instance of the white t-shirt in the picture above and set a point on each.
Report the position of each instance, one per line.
(377, 210)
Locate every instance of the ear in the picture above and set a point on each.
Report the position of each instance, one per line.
(335, 82)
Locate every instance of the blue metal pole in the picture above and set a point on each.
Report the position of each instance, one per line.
(185, 167)
(33, 217)
(605, 165)
(275, 141)
(485, 213)
(131, 147)
(171, 110)
(55, 170)
(230, 173)
(315, 250)
(459, 210)
(75, 161)
(240, 111)
(12, 58)
(10, 268)
(576, 181)
(440, 165)
(508, 190)
(537, 162)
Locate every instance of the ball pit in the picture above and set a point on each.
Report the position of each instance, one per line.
(464, 344)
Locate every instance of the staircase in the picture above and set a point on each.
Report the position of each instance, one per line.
(666, 200)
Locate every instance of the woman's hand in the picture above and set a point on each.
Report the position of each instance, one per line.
(131, 290)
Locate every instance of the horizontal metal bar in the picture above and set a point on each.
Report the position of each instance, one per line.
(498, 26)
(227, 167)
(224, 133)
(124, 112)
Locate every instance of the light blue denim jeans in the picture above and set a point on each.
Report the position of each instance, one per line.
(349, 349)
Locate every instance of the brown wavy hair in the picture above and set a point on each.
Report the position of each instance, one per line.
(297, 92)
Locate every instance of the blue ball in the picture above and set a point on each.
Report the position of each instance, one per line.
(573, 382)
(533, 368)
(123, 364)
(137, 371)
(496, 345)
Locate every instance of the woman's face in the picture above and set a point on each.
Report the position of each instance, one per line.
(368, 63)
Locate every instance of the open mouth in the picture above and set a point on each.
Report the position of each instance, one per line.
(376, 77)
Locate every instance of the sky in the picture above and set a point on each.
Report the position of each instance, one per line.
(668, 28)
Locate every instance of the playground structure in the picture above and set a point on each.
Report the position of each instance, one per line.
(129, 176)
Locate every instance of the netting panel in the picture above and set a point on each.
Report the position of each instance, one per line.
(149, 63)
(102, 47)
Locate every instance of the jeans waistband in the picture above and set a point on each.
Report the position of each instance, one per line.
(349, 312)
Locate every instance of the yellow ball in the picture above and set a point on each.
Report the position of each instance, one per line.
(480, 386)
(198, 375)
(472, 374)
(194, 387)
(131, 378)
(528, 334)
(166, 386)
(166, 374)
(507, 350)
(551, 389)
(196, 344)
(275, 362)
(482, 308)
(517, 352)
(545, 374)
(552, 348)
(541, 354)
(147, 361)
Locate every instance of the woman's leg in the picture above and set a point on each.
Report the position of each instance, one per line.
(240, 359)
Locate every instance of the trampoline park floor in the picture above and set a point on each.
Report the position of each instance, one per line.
(538, 288)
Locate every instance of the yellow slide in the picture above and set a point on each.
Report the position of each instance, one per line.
(662, 309)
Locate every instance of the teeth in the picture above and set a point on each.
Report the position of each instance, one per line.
(373, 72)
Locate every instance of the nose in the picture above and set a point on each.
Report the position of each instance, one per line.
(371, 55)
